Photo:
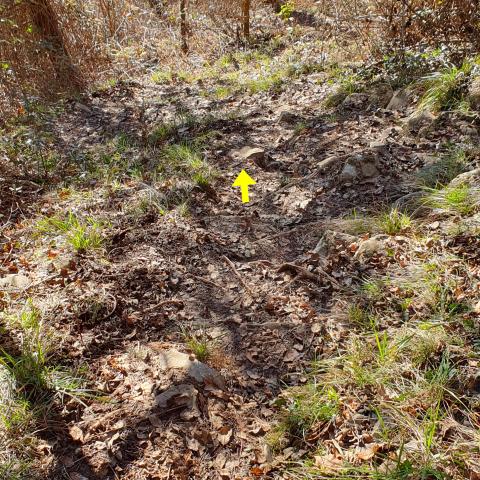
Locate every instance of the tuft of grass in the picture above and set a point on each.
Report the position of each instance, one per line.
(463, 199)
(358, 316)
(34, 378)
(198, 343)
(162, 77)
(445, 89)
(186, 160)
(444, 170)
(82, 235)
(394, 222)
(348, 83)
(307, 406)
(162, 132)
(286, 10)
(200, 347)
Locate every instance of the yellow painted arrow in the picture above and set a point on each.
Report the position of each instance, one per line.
(243, 181)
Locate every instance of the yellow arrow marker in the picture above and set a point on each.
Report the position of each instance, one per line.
(243, 181)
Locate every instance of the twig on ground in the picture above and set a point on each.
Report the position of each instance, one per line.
(205, 280)
(303, 272)
(235, 271)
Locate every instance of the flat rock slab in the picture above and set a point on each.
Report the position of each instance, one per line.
(254, 154)
(198, 371)
(14, 281)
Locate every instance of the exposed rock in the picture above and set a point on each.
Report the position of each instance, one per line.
(360, 166)
(14, 280)
(411, 202)
(356, 101)
(471, 178)
(379, 146)
(348, 174)
(421, 120)
(380, 95)
(173, 359)
(370, 247)
(369, 169)
(399, 101)
(468, 130)
(287, 117)
(474, 93)
(253, 154)
(330, 239)
(178, 396)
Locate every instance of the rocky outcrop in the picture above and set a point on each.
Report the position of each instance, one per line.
(360, 166)
(474, 93)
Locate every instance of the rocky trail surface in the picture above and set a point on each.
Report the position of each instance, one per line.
(264, 286)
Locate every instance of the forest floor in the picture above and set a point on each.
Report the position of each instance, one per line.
(325, 329)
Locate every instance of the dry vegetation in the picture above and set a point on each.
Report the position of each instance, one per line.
(152, 326)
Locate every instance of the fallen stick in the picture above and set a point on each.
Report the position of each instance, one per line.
(235, 271)
(303, 272)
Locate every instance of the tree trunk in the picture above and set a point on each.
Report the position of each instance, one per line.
(183, 25)
(46, 23)
(246, 18)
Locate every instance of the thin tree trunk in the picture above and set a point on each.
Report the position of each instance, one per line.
(45, 21)
(183, 25)
(246, 18)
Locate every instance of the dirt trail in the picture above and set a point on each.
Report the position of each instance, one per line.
(245, 279)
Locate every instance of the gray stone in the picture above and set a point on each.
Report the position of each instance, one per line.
(421, 120)
(173, 359)
(348, 174)
(471, 178)
(474, 93)
(253, 154)
(399, 101)
(371, 246)
(380, 146)
(356, 101)
(14, 280)
(380, 95)
(287, 117)
(330, 239)
(369, 169)
(183, 395)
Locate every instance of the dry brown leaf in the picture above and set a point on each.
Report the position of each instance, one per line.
(328, 463)
(224, 435)
(76, 433)
(367, 452)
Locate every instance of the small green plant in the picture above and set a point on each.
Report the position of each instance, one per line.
(462, 199)
(197, 342)
(82, 235)
(445, 89)
(35, 380)
(394, 222)
(185, 159)
(372, 289)
(162, 77)
(286, 10)
(430, 425)
(300, 127)
(445, 169)
(162, 132)
(358, 316)
(200, 347)
(309, 405)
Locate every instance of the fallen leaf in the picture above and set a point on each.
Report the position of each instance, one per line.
(76, 433)
(367, 452)
(224, 435)
(328, 463)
